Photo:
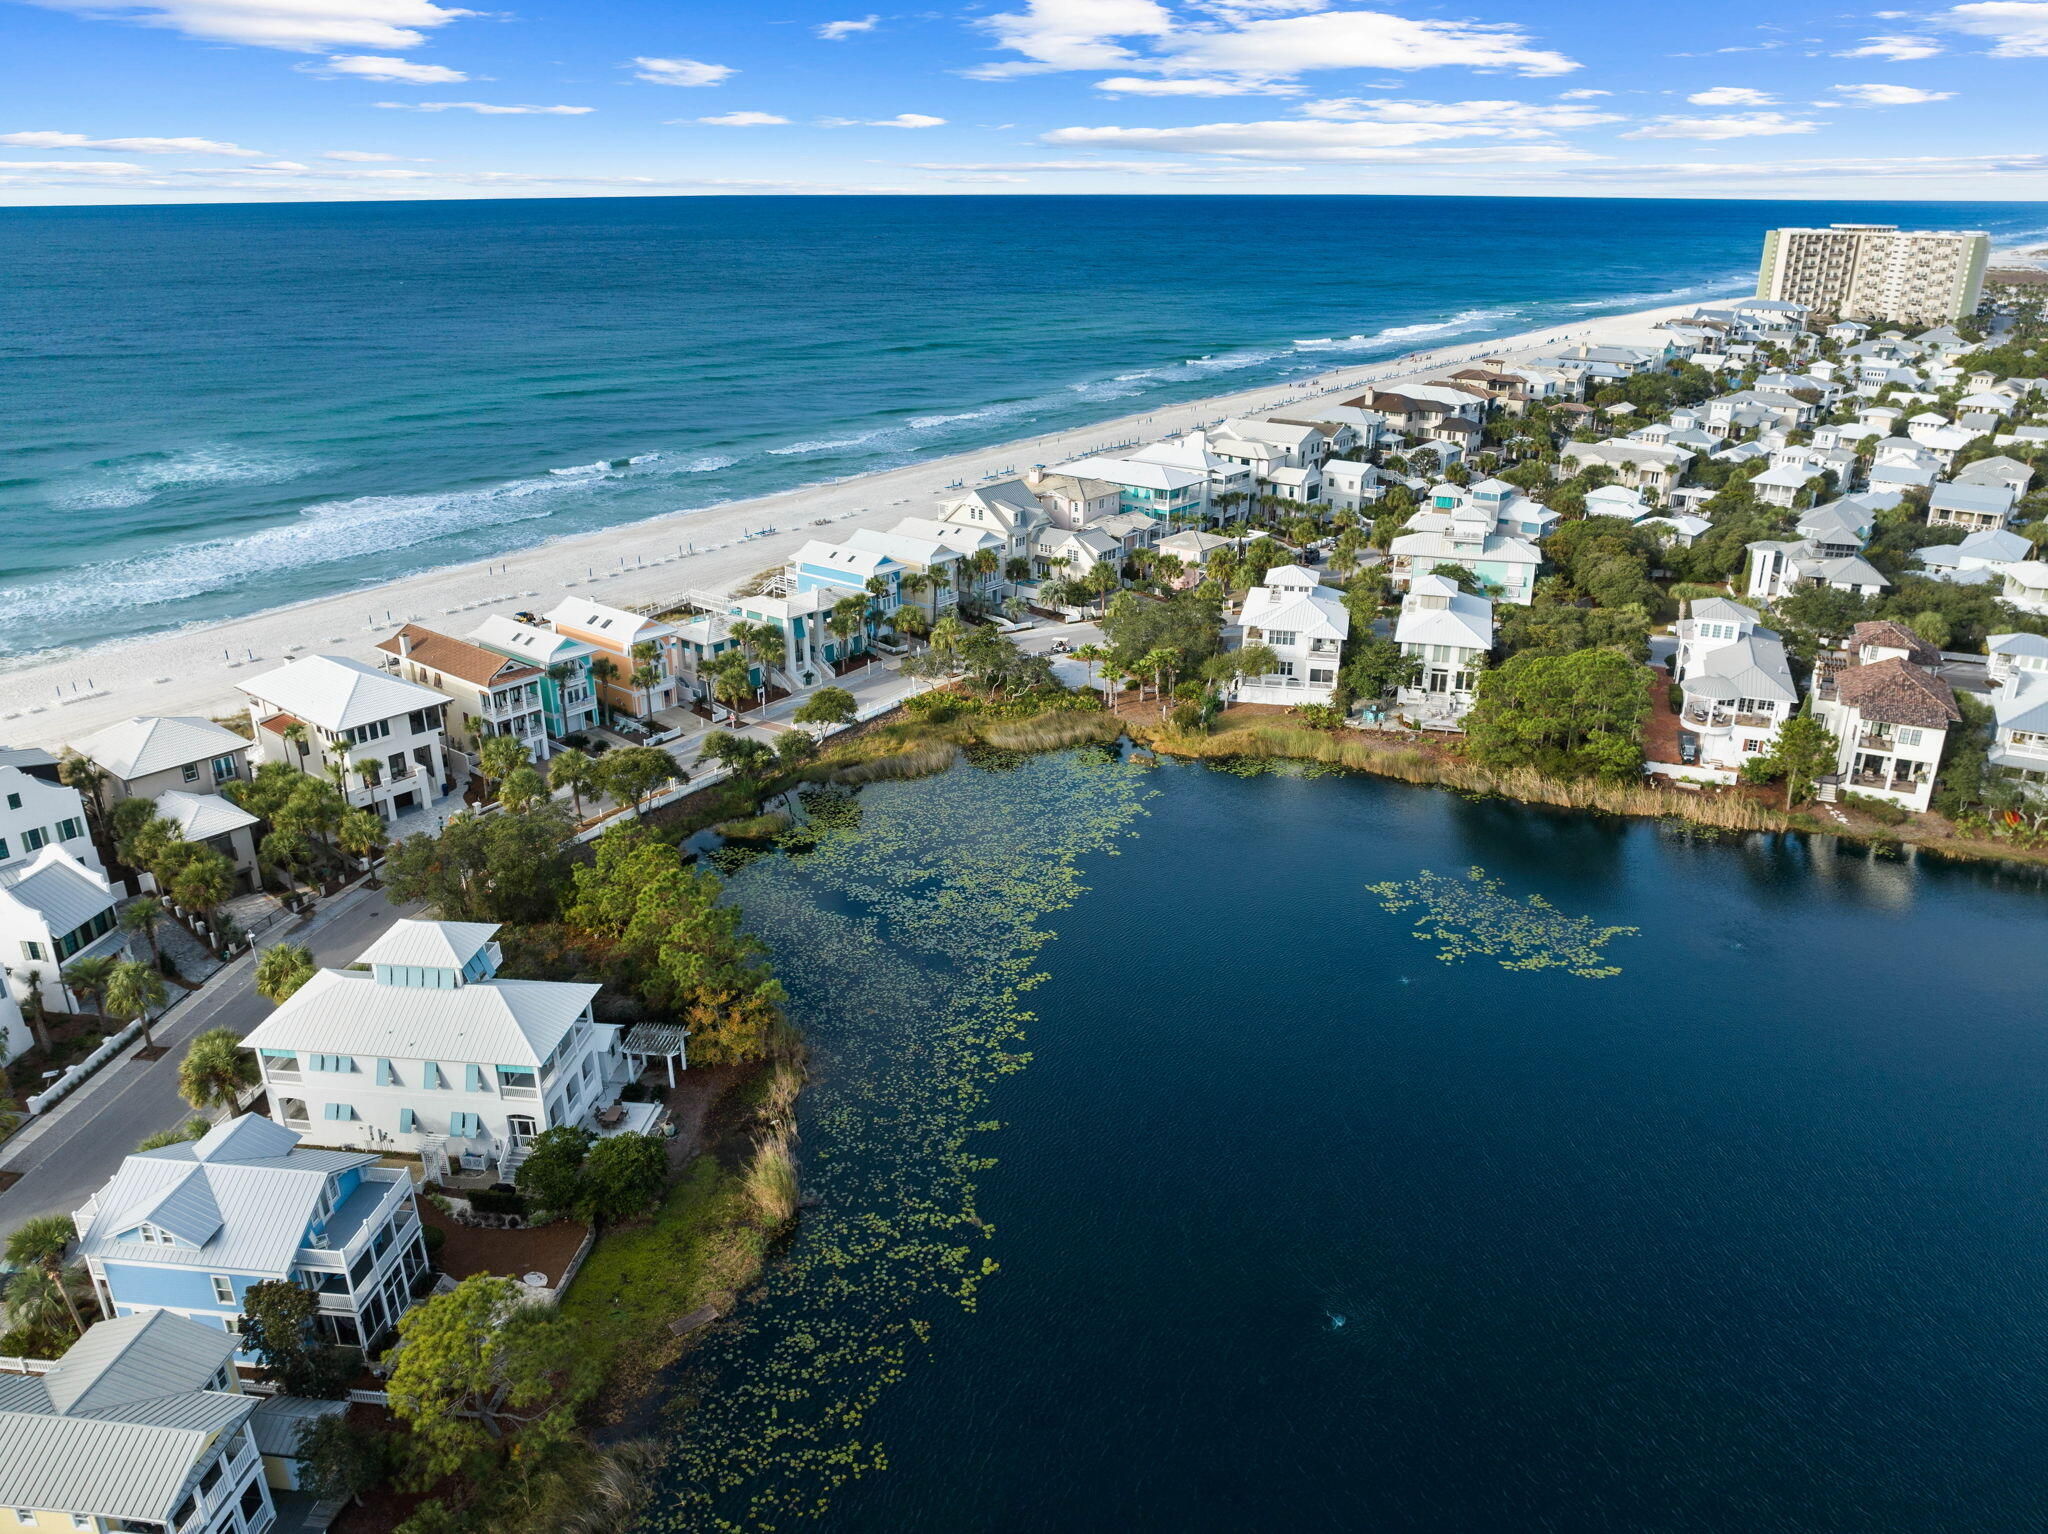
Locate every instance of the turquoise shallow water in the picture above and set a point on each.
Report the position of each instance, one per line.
(206, 411)
(1298, 1223)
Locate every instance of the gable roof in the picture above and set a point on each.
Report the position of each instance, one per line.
(504, 1022)
(136, 1358)
(137, 747)
(57, 887)
(614, 623)
(334, 692)
(2020, 702)
(541, 646)
(1888, 634)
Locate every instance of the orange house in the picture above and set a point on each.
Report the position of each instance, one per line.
(615, 633)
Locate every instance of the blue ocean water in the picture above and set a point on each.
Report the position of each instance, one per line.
(206, 411)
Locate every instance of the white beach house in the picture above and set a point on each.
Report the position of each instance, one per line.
(1448, 633)
(389, 734)
(1305, 624)
(1737, 684)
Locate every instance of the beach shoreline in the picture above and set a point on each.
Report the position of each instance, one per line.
(56, 696)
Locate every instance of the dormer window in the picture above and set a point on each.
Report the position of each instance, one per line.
(154, 1235)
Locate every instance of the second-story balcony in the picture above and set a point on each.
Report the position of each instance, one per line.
(353, 1224)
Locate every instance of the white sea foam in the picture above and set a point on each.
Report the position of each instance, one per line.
(1719, 286)
(134, 480)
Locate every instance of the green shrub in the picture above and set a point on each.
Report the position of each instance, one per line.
(491, 1201)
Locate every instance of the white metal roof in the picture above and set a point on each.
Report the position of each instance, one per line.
(430, 944)
(602, 618)
(109, 1468)
(57, 887)
(503, 1022)
(508, 636)
(334, 692)
(136, 1358)
(136, 747)
(198, 816)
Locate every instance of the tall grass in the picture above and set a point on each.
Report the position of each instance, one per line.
(1725, 812)
(920, 760)
(1052, 731)
(770, 1183)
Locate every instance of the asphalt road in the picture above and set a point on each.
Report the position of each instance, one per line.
(65, 1162)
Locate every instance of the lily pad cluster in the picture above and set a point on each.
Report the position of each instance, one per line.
(1477, 916)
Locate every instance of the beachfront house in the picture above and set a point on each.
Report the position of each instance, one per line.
(1016, 509)
(429, 1052)
(188, 1228)
(1736, 683)
(633, 661)
(150, 755)
(568, 696)
(1448, 634)
(1305, 624)
(1889, 712)
(494, 695)
(1171, 492)
(386, 737)
(142, 1426)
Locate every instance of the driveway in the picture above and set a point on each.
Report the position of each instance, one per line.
(66, 1155)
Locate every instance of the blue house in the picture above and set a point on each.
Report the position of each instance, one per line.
(188, 1228)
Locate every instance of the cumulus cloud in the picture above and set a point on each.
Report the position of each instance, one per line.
(1883, 96)
(45, 140)
(1501, 119)
(1581, 95)
(305, 26)
(1731, 96)
(1897, 49)
(75, 167)
(744, 120)
(833, 31)
(371, 66)
(1737, 125)
(484, 108)
(679, 71)
(2018, 28)
(1145, 37)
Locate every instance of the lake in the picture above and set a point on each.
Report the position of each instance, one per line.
(1168, 1180)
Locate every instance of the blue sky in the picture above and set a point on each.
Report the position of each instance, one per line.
(287, 100)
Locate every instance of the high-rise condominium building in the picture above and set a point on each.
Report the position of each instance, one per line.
(1877, 271)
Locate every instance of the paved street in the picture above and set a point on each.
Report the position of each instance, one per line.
(66, 1155)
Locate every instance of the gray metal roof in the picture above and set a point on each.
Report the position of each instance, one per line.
(198, 816)
(1994, 499)
(137, 747)
(261, 1205)
(136, 1358)
(503, 1022)
(278, 1421)
(1751, 667)
(116, 1429)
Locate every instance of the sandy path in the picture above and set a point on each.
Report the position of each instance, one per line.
(69, 694)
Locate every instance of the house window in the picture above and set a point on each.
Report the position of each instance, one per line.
(225, 767)
(152, 1235)
(223, 1290)
(24, 1515)
(35, 838)
(341, 1111)
(408, 1121)
(1908, 737)
(70, 830)
(191, 771)
(31, 950)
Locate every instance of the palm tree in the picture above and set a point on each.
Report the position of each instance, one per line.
(1017, 570)
(847, 618)
(1093, 654)
(90, 779)
(281, 969)
(216, 1071)
(603, 671)
(732, 681)
(646, 673)
(912, 621)
(88, 978)
(337, 763)
(984, 563)
(134, 992)
(360, 835)
(143, 915)
(203, 882)
(501, 755)
(39, 1246)
(295, 734)
(772, 649)
(571, 769)
(948, 634)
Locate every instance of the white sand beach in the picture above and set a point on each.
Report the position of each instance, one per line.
(67, 695)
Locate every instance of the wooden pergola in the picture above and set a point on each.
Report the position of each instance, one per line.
(656, 1041)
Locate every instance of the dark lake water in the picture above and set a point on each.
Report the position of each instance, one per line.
(1301, 1225)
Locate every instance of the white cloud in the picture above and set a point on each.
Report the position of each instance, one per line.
(275, 165)
(75, 167)
(305, 26)
(360, 156)
(900, 120)
(1731, 96)
(744, 120)
(1897, 49)
(1120, 167)
(1491, 119)
(1191, 85)
(1777, 173)
(1581, 95)
(127, 145)
(1106, 34)
(679, 71)
(1387, 142)
(1883, 96)
(1739, 125)
(2018, 27)
(483, 108)
(370, 66)
(833, 31)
